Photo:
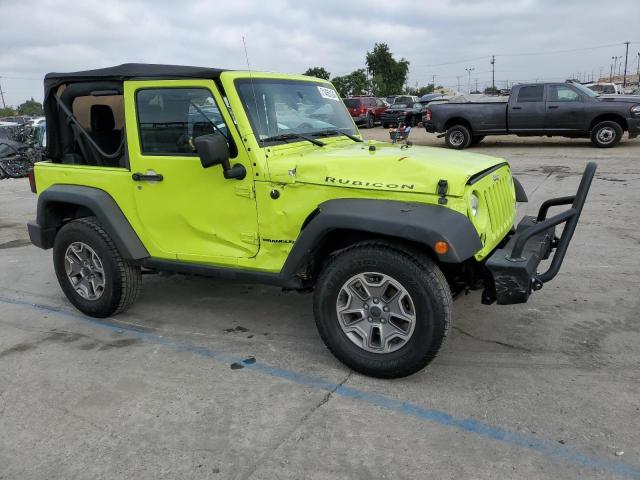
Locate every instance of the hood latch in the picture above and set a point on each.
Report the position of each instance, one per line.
(443, 188)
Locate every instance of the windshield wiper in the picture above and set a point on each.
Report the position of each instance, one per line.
(327, 133)
(293, 136)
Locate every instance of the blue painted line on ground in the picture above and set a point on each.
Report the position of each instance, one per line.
(542, 446)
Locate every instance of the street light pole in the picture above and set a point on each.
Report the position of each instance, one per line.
(469, 70)
(626, 56)
(493, 72)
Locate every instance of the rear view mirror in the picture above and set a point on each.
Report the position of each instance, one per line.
(213, 149)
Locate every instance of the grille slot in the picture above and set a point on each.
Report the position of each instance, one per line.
(499, 200)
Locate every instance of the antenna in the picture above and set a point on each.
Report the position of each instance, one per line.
(255, 98)
(255, 101)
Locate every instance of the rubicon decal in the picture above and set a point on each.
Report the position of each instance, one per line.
(359, 183)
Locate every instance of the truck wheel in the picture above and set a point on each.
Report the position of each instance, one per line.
(382, 311)
(477, 139)
(369, 121)
(458, 137)
(91, 272)
(606, 134)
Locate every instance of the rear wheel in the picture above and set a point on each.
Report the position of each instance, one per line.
(91, 272)
(382, 311)
(606, 134)
(458, 137)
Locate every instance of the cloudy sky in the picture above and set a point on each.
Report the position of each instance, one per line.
(439, 37)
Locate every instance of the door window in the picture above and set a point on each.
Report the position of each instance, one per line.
(561, 93)
(532, 93)
(169, 119)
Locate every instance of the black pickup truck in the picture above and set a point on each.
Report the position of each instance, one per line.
(552, 109)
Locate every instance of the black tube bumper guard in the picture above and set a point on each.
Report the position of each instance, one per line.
(513, 268)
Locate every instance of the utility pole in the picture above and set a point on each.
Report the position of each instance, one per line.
(626, 56)
(476, 84)
(4, 105)
(493, 72)
(638, 72)
(457, 78)
(469, 70)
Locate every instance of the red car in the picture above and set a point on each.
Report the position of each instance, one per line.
(366, 111)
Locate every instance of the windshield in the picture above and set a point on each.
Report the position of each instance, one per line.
(280, 107)
(587, 91)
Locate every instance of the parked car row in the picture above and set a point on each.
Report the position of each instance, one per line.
(408, 110)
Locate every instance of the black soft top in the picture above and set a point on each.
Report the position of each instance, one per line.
(128, 71)
(60, 136)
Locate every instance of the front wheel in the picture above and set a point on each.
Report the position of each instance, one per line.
(382, 311)
(91, 272)
(606, 134)
(458, 137)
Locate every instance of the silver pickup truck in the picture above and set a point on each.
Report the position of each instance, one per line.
(552, 109)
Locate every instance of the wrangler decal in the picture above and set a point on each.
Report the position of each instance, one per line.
(359, 183)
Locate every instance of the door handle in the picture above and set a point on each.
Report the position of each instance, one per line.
(552, 106)
(150, 176)
(516, 108)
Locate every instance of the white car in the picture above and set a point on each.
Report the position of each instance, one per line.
(7, 124)
(605, 88)
(36, 121)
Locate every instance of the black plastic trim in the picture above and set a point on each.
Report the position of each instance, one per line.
(521, 195)
(420, 223)
(235, 274)
(100, 203)
(480, 175)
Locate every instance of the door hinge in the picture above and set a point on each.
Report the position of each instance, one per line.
(244, 191)
(251, 238)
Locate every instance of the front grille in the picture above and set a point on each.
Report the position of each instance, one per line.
(498, 197)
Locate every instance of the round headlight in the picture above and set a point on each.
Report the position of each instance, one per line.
(473, 203)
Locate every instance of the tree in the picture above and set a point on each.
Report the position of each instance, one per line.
(491, 91)
(319, 72)
(7, 112)
(31, 108)
(388, 75)
(355, 83)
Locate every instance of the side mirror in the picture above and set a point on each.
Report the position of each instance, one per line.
(213, 149)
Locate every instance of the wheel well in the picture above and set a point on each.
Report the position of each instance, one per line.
(58, 213)
(340, 239)
(460, 276)
(457, 121)
(610, 117)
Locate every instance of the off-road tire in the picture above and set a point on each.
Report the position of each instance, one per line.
(458, 137)
(123, 280)
(614, 134)
(422, 279)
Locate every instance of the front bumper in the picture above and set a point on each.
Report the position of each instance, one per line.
(513, 269)
(41, 237)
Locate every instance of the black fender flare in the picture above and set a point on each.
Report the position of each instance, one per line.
(50, 217)
(420, 223)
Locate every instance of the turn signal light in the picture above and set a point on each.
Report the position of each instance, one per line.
(441, 247)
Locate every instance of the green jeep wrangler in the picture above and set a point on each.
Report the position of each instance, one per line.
(261, 177)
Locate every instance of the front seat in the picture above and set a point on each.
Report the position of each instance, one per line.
(104, 133)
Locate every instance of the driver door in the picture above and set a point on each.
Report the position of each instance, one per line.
(187, 212)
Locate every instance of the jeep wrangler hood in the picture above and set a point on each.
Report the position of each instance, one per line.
(387, 167)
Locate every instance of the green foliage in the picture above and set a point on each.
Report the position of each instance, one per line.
(491, 91)
(319, 72)
(7, 112)
(355, 83)
(388, 74)
(30, 107)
